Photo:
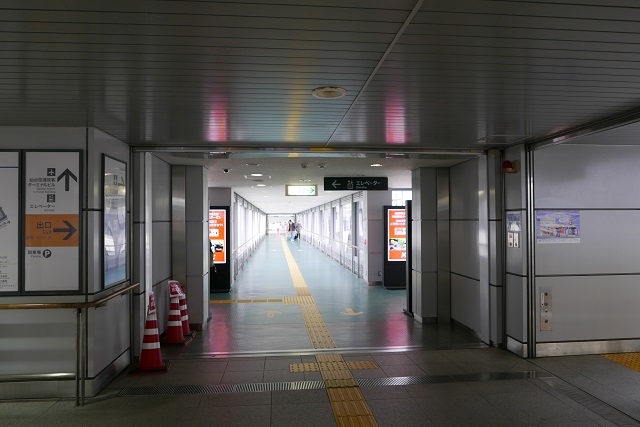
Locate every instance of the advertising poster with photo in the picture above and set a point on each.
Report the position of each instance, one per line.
(558, 226)
(115, 259)
(397, 245)
(217, 235)
(52, 187)
(9, 224)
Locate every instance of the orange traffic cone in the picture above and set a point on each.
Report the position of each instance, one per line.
(184, 314)
(174, 323)
(150, 355)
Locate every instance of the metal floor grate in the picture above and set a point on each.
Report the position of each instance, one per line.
(592, 403)
(314, 385)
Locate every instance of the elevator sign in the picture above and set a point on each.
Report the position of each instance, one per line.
(52, 221)
(397, 232)
(217, 235)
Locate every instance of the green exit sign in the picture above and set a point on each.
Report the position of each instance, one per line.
(301, 190)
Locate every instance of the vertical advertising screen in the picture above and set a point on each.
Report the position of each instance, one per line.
(217, 235)
(397, 232)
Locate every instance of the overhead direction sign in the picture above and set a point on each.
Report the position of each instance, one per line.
(346, 183)
(301, 190)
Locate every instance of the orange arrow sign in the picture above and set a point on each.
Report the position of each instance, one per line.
(350, 312)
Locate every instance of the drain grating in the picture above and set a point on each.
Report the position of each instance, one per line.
(592, 403)
(214, 389)
(315, 385)
(440, 379)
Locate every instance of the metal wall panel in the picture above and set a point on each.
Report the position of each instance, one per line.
(608, 245)
(464, 248)
(94, 250)
(427, 295)
(443, 246)
(587, 176)
(426, 246)
(516, 300)
(516, 260)
(495, 297)
(515, 183)
(495, 252)
(109, 333)
(161, 253)
(178, 224)
(41, 341)
(465, 295)
(591, 308)
(197, 248)
(161, 189)
(464, 190)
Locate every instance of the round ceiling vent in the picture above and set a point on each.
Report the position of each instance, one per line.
(329, 92)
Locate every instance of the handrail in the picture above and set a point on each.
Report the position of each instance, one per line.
(80, 373)
(58, 305)
(331, 239)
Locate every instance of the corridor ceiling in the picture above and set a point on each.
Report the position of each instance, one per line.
(430, 76)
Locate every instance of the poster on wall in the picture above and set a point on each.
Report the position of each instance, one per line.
(52, 188)
(397, 234)
(9, 223)
(217, 233)
(514, 221)
(114, 261)
(561, 226)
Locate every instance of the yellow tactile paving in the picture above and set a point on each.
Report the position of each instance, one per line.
(347, 402)
(345, 394)
(630, 360)
(362, 365)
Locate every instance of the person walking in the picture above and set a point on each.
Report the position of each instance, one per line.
(292, 230)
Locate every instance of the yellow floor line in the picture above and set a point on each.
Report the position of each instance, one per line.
(347, 401)
(243, 301)
(630, 360)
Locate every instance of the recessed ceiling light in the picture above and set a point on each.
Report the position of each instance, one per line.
(305, 180)
(376, 165)
(256, 174)
(252, 164)
(261, 185)
(329, 92)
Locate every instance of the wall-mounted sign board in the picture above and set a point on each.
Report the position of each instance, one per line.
(344, 183)
(114, 188)
(9, 221)
(301, 190)
(52, 187)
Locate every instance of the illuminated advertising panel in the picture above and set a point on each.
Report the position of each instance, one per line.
(217, 235)
(397, 232)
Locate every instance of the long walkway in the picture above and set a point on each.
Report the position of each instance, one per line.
(299, 341)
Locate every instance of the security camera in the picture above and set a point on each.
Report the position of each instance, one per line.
(225, 170)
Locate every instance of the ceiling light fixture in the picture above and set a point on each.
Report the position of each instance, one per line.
(329, 92)
(261, 185)
(256, 174)
(376, 165)
(252, 164)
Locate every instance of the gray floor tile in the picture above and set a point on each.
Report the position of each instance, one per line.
(282, 376)
(245, 365)
(299, 396)
(281, 363)
(392, 359)
(463, 411)
(440, 368)
(249, 416)
(385, 392)
(205, 378)
(399, 412)
(402, 370)
(308, 414)
(235, 399)
(242, 377)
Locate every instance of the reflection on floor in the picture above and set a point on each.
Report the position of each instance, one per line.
(358, 316)
(257, 366)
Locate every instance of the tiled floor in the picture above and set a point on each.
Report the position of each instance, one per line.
(237, 372)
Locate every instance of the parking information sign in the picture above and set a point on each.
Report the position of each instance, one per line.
(52, 221)
(9, 225)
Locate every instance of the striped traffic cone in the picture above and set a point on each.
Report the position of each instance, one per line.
(174, 323)
(150, 355)
(184, 314)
